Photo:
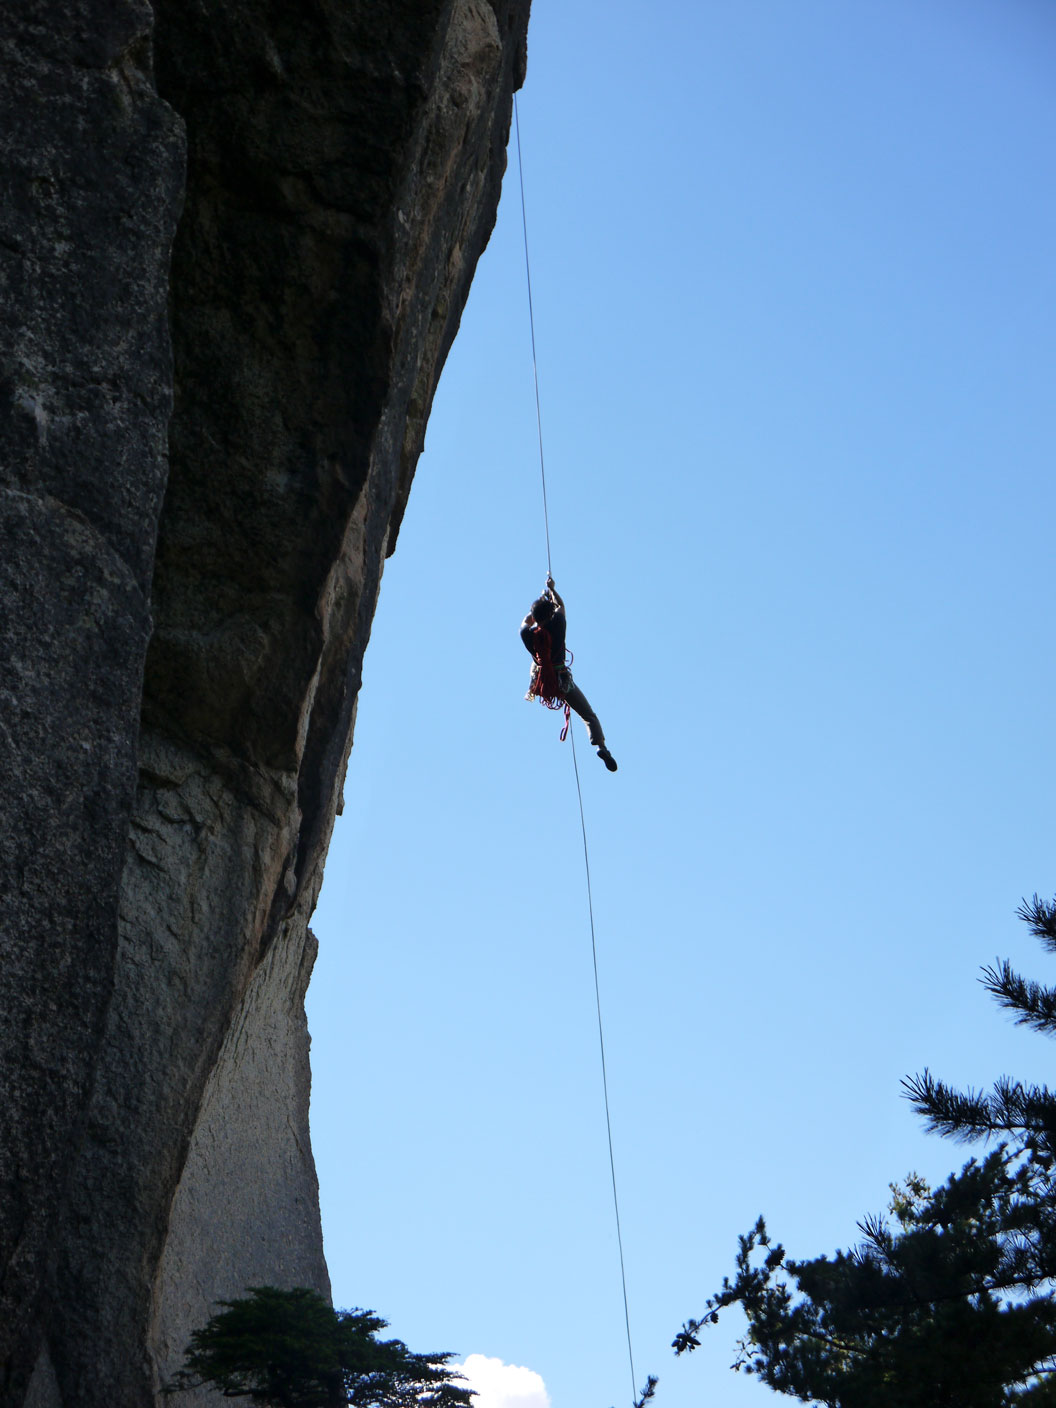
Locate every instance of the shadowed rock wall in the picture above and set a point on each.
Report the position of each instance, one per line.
(343, 167)
(92, 166)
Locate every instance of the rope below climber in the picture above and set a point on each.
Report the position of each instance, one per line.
(543, 634)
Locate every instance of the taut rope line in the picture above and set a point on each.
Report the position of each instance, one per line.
(579, 789)
(531, 324)
(604, 1071)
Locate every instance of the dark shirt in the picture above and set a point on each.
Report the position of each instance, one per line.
(556, 626)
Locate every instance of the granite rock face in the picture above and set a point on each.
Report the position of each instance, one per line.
(166, 811)
(246, 1210)
(92, 161)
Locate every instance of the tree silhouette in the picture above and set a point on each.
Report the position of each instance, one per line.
(291, 1349)
(948, 1302)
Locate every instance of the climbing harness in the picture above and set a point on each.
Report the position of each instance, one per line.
(546, 678)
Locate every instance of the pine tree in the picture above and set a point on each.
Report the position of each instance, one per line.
(291, 1349)
(950, 1300)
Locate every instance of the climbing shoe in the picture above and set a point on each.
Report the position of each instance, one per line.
(607, 758)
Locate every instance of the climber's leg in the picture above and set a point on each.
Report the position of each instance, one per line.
(577, 700)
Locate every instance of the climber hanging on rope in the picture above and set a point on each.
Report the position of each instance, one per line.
(543, 634)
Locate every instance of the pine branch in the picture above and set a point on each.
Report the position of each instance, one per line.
(1040, 919)
(648, 1392)
(686, 1341)
(1013, 1109)
(1034, 1005)
(967, 1114)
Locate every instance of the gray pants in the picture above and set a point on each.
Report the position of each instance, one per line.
(578, 702)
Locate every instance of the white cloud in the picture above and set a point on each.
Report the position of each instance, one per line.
(499, 1385)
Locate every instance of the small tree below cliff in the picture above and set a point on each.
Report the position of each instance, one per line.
(291, 1349)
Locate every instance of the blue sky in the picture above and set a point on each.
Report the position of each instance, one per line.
(793, 277)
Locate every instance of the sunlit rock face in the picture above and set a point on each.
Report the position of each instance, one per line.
(240, 238)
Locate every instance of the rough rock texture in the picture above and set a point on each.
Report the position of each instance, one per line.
(343, 167)
(229, 1230)
(92, 185)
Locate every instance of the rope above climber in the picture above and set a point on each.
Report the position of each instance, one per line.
(543, 634)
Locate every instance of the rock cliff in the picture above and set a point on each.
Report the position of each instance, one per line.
(235, 244)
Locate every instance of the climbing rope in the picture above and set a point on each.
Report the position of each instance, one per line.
(604, 1071)
(531, 324)
(579, 788)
